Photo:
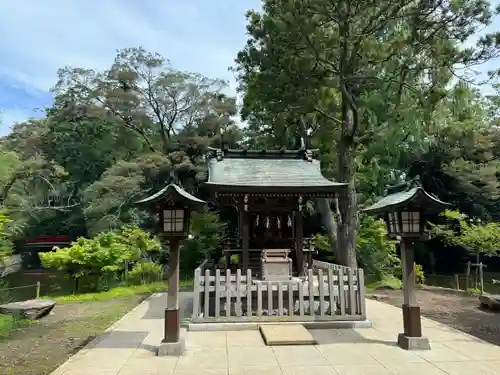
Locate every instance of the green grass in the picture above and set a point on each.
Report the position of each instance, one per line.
(61, 335)
(389, 282)
(9, 324)
(116, 292)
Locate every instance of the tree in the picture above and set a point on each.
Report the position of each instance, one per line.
(208, 234)
(364, 69)
(165, 118)
(145, 95)
(27, 138)
(86, 141)
(32, 189)
(459, 162)
(473, 235)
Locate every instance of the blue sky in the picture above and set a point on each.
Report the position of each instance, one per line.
(38, 37)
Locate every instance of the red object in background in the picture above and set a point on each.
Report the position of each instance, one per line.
(49, 238)
(48, 241)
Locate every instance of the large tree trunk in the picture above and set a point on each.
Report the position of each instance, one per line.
(348, 205)
(330, 224)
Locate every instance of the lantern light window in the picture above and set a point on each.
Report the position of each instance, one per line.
(173, 220)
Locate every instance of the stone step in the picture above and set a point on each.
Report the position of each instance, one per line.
(286, 334)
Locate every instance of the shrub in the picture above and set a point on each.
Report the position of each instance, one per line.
(208, 232)
(375, 250)
(387, 282)
(102, 258)
(8, 324)
(146, 272)
(235, 259)
(5, 296)
(6, 244)
(419, 273)
(475, 292)
(322, 244)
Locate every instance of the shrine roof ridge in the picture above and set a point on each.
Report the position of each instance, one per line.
(301, 153)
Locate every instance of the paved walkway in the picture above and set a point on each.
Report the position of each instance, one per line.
(128, 348)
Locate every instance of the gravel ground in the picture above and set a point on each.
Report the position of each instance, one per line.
(456, 309)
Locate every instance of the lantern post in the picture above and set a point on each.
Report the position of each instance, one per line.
(404, 209)
(173, 205)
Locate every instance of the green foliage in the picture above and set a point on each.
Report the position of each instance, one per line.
(475, 292)
(111, 137)
(365, 80)
(5, 237)
(113, 293)
(419, 274)
(107, 253)
(208, 232)
(234, 259)
(146, 272)
(376, 252)
(387, 282)
(473, 235)
(322, 244)
(8, 325)
(138, 239)
(115, 135)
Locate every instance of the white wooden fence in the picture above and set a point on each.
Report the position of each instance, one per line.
(327, 293)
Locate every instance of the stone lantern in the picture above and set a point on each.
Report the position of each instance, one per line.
(173, 205)
(404, 209)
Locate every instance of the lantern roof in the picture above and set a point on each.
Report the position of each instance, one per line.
(174, 193)
(407, 194)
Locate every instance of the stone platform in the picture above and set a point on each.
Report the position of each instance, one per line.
(31, 309)
(293, 334)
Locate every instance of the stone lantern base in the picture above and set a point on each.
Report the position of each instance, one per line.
(413, 343)
(172, 348)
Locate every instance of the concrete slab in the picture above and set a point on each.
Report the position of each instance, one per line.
(295, 334)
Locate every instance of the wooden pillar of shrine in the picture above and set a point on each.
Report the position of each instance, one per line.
(299, 242)
(245, 236)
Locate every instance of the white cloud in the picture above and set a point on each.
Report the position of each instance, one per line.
(10, 116)
(43, 36)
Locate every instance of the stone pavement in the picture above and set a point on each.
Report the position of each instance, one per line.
(129, 346)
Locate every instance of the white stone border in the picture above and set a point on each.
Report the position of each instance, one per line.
(201, 327)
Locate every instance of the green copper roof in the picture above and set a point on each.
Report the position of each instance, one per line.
(174, 192)
(416, 195)
(283, 169)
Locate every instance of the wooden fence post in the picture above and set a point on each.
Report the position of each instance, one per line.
(457, 282)
(38, 285)
(467, 276)
(481, 278)
(361, 293)
(196, 293)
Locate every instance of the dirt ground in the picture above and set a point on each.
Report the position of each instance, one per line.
(41, 347)
(455, 309)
